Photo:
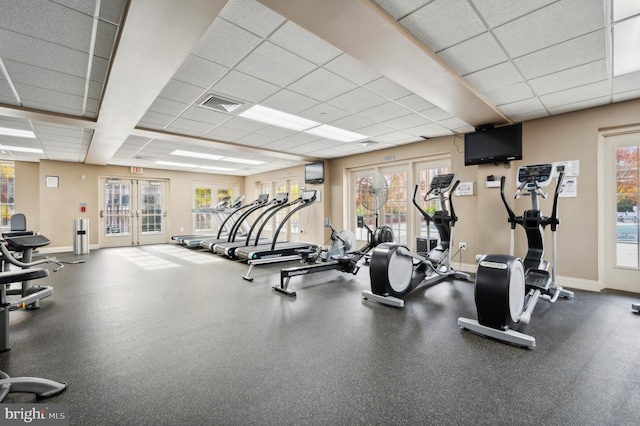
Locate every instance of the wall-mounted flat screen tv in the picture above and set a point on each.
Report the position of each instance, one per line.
(493, 145)
(314, 173)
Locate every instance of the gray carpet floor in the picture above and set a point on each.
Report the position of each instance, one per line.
(164, 335)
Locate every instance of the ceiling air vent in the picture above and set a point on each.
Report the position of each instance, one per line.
(368, 143)
(217, 103)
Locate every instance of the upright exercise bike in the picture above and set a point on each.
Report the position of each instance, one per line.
(395, 271)
(507, 287)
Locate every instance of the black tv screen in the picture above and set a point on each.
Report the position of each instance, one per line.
(493, 145)
(314, 173)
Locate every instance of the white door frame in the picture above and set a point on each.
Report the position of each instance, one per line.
(604, 174)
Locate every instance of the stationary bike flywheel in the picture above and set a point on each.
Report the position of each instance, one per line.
(349, 239)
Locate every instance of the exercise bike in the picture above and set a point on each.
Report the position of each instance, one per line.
(508, 288)
(395, 271)
(340, 255)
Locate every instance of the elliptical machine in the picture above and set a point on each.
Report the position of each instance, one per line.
(507, 287)
(395, 271)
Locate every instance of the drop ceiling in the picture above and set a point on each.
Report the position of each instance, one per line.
(121, 82)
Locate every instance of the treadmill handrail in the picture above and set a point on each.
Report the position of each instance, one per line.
(236, 225)
(268, 218)
(261, 219)
(303, 205)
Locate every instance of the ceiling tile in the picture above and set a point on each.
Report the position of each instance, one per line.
(509, 94)
(288, 101)
(573, 77)
(252, 16)
(155, 120)
(398, 9)
(347, 67)
(407, 121)
(428, 130)
(414, 102)
(190, 127)
(37, 97)
(376, 130)
(105, 40)
(206, 116)
(168, 106)
(497, 12)
(386, 111)
(274, 64)
(579, 51)
(576, 94)
(522, 107)
(475, 54)
(432, 24)
(244, 87)
(387, 88)
(352, 122)
(43, 54)
(111, 11)
(226, 44)
(181, 92)
(256, 139)
(436, 114)
(324, 113)
(223, 133)
(200, 72)
(493, 77)
(304, 44)
(322, 85)
(589, 103)
(49, 21)
(357, 100)
(556, 23)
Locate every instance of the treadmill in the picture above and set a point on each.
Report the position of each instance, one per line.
(224, 203)
(221, 213)
(282, 249)
(236, 225)
(228, 248)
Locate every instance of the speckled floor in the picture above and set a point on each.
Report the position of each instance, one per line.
(162, 335)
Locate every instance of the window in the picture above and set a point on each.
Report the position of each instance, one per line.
(204, 198)
(397, 212)
(627, 174)
(7, 193)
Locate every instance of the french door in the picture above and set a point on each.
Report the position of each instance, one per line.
(620, 254)
(132, 212)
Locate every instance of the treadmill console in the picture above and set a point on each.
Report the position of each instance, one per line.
(237, 202)
(262, 198)
(540, 173)
(442, 183)
(282, 197)
(308, 196)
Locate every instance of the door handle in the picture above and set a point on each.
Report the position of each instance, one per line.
(101, 213)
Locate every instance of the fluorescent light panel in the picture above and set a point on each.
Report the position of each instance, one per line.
(335, 133)
(22, 149)
(222, 169)
(17, 133)
(171, 163)
(242, 161)
(196, 155)
(215, 157)
(625, 8)
(278, 118)
(626, 45)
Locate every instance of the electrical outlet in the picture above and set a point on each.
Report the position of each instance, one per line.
(462, 246)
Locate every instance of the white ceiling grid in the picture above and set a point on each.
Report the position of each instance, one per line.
(527, 59)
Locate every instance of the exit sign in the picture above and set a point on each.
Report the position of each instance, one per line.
(136, 170)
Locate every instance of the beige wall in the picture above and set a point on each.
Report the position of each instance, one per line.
(482, 224)
(51, 211)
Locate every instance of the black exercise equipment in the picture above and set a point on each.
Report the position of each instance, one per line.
(395, 271)
(508, 288)
(340, 255)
